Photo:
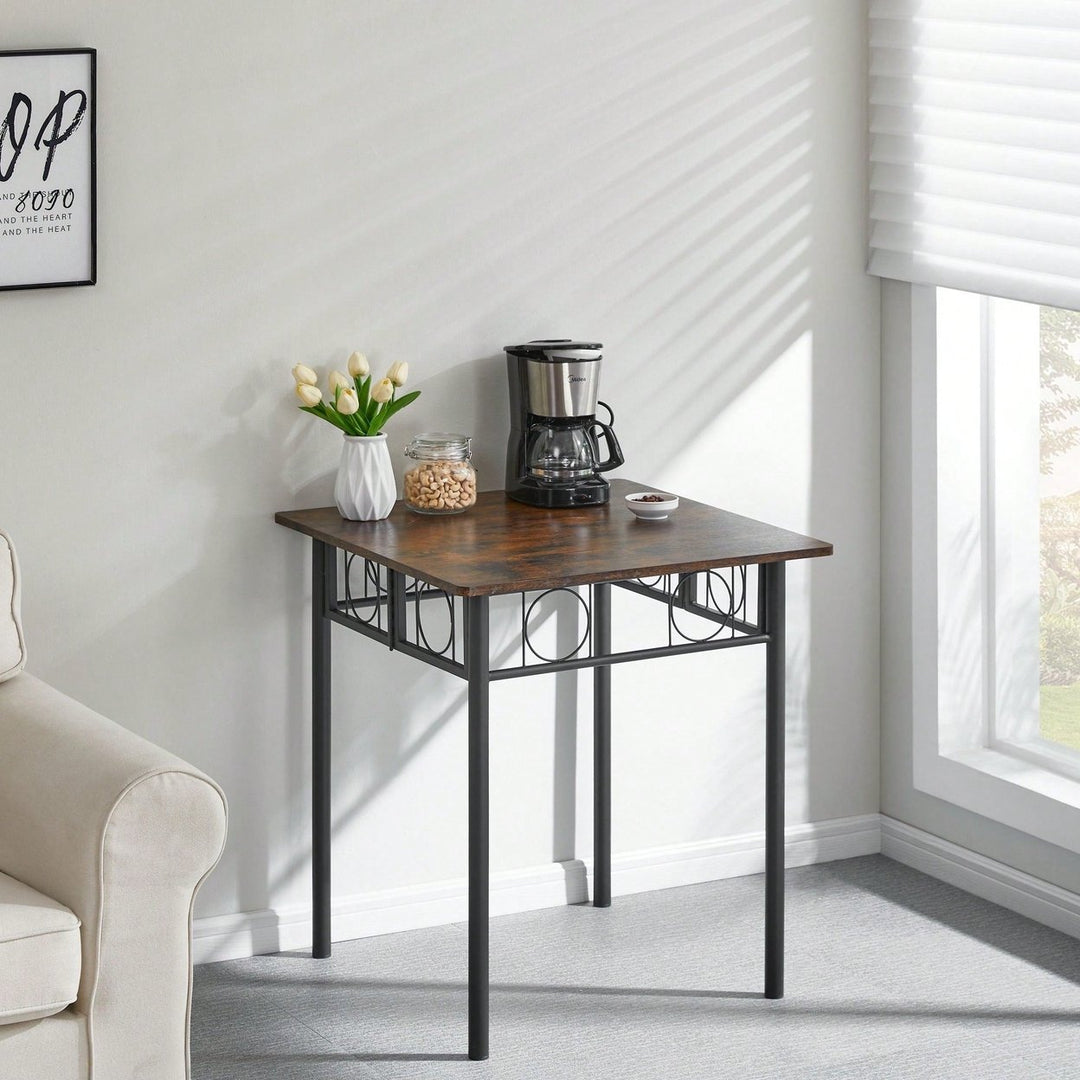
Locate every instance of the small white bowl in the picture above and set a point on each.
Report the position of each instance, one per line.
(651, 511)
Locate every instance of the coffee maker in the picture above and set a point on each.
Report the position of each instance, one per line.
(553, 454)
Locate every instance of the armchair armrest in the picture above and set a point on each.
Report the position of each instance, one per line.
(123, 833)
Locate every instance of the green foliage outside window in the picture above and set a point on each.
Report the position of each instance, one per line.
(1059, 600)
(1059, 371)
(1059, 525)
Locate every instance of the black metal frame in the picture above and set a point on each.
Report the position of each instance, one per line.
(381, 611)
(91, 121)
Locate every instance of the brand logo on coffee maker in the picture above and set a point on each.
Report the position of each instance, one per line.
(577, 378)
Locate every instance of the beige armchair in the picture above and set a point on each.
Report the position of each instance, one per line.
(104, 842)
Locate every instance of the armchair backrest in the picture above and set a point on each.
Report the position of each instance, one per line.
(12, 644)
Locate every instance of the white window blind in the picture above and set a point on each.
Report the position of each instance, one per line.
(975, 146)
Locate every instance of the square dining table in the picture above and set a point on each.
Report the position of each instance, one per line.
(707, 567)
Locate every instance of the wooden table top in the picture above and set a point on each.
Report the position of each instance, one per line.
(502, 546)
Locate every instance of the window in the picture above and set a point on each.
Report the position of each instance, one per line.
(1018, 364)
(996, 545)
(1059, 527)
(974, 183)
(1034, 427)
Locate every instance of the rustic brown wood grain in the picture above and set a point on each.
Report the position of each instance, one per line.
(502, 546)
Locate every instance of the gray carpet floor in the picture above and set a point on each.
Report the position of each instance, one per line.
(889, 974)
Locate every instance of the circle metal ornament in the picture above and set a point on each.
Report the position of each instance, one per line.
(371, 578)
(418, 590)
(684, 580)
(584, 637)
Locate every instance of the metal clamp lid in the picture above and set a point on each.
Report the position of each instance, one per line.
(431, 445)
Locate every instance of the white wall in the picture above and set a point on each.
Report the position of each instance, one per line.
(428, 182)
(899, 797)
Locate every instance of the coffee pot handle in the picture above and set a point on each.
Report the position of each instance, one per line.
(615, 455)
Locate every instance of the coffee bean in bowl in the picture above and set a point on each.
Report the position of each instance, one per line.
(651, 505)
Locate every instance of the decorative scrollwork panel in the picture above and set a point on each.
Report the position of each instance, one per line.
(532, 615)
(431, 619)
(709, 609)
(365, 592)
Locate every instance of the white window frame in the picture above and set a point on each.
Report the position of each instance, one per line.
(969, 748)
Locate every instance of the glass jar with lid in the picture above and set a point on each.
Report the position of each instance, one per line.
(439, 477)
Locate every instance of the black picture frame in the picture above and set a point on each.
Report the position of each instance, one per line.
(48, 168)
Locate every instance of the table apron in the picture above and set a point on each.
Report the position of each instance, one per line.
(383, 617)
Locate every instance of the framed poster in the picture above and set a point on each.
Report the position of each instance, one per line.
(48, 193)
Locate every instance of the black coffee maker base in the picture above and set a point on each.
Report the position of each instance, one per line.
(591, 492)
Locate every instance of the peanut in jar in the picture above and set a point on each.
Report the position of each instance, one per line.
(439, 477)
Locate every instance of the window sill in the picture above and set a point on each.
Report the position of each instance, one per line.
(1043, 755)
(1019, 793)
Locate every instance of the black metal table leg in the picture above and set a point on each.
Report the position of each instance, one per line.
(323, 590)
(602, 748)
(477, 662)
(774, 779)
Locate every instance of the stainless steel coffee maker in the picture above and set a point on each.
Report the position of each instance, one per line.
(553, 454)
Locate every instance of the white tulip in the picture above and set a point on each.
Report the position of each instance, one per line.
(309, 395)
(382, 391)
(398, 373)
(336, 379)
(347, 401)
(304, 375)
(358, 366)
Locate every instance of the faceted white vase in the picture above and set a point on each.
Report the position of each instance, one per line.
(365, 487)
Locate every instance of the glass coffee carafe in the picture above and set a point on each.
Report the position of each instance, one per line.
(565, 451)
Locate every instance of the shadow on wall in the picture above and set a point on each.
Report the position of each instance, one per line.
(669, 209)
(719, 252)
(377, 751)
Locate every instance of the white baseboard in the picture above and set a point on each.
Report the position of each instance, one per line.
(981, 876)
(228, 937)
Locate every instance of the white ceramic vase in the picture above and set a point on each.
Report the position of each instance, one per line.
(365, 488)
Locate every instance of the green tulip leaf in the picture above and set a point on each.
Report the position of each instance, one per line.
(399, 403)
(363, 393)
